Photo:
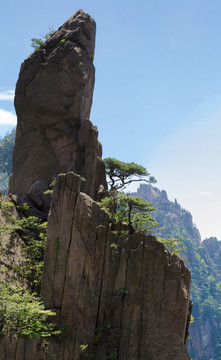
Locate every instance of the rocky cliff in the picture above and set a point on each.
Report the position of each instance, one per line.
(53, 101)
(203, 259)
(120, 296)
(117, 296)
(170, 215)
(213, 246)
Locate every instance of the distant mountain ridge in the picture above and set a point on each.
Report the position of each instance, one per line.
(6, 150)
(204, 262)
(6, 128)
(213, 246)
(166, 209)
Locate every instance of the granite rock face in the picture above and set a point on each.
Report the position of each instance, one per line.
(53, 101)
(126, 297)
(120, 296)
(204, 261)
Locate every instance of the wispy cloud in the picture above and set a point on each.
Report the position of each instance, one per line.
(7, 95)
(205, 193)
(6, 117)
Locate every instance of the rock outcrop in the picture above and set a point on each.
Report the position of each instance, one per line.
(204, 262)
(53, 100)
(168, 212)
(213, 246)
(119, 296)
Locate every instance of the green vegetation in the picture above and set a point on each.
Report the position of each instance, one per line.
(51, 186)
(21, 311)
(121, 174)
(33, 232)
(22, 314)
(6, 149)
(37, 43)
(174, 245)
(132, 210)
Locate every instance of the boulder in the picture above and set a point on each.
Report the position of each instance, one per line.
(53, 101)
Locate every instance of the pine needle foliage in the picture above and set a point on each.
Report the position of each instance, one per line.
(37, 43)
(133, 210)
(121, 173)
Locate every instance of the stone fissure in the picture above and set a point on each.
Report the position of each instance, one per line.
(101, 285)
(56, 238)
(68, 251)
(119, 295)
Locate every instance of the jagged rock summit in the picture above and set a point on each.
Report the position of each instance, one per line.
(119, 296)
(53, 101)
(213, 245)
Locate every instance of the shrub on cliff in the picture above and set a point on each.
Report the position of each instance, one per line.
(22, 314)
(133, 210)
(121, 207)
(121, 174)
(36, 43)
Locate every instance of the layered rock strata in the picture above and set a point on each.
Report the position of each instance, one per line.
(53, 101)
(119, 296)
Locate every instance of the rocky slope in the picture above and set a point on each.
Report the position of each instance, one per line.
(117, 296)
(204, 262)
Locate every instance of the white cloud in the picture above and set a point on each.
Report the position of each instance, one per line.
(6, 117)
(205, 193)
(7, 95)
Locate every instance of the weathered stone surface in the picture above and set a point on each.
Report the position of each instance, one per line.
(53, 100)
(119, 296)
(132, 297)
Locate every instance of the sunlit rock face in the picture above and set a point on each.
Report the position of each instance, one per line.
(120, 296)
(53, 102)
(117, 296)
(127, 286)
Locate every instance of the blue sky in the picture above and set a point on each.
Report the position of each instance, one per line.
(157, 97)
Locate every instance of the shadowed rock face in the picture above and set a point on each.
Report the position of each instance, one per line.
(120, 296)
(53, 101)
(125, 289)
